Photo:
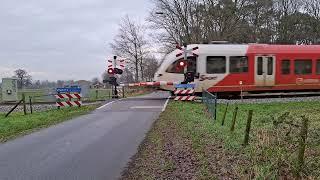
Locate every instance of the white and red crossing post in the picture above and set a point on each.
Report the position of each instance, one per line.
(189, 76)
(65, 100)
(113, 70)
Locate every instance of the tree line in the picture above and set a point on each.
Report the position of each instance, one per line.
(25, 80)
(238, 21)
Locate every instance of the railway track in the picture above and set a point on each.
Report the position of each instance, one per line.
(270, 99)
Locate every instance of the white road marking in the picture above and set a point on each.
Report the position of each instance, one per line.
(146, 107)
(165, 104)
(106, 105)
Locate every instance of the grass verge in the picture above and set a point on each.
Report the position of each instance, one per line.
(186, 144)
(17, 124)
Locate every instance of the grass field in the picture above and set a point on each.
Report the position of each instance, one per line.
(186, 144)
(99, 94)
(17, 124)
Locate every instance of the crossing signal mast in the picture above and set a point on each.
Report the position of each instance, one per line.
(188, 75)
(113, 71)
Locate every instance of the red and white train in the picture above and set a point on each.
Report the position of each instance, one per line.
(252, 68)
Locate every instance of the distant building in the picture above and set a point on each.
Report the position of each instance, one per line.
(98, 85)
(82, 83)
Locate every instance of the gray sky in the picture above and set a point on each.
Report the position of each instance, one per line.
(61, 39)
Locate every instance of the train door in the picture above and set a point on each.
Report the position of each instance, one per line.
(265, 70)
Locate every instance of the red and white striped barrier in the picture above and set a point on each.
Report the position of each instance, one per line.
(160, 83)
(68, 96)
(184, 92)
(61, 100)
(185, 98)
(69, 103)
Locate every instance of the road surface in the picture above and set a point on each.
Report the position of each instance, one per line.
(94, 146)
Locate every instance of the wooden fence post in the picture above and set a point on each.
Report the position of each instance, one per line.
(123, 94)
(302, 145)
(97, 94)
(224, 115)
(24, 104)
(215, 106)
(248, 127)
(234, 119)
(30, 103)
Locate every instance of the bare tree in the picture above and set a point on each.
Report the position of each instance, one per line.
(151, 65)
(131, 43)
(24, 79)
(178, 19)
(127, 76)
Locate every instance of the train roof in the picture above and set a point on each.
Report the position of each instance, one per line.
(220, 49)
(233, 49)
(283, 49)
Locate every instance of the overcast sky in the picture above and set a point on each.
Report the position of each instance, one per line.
(61, 39)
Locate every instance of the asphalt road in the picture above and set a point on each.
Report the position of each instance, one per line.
(91, 147)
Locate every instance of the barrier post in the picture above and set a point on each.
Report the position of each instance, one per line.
(224, 115)
(79, 99)
(123, 96)
(302, 145)
(24, 104)
(248, 127)
(215, 106)
(30, 103)
(234, 119)
(58, 100)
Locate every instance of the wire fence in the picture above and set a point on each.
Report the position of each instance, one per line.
(210, 101)
(288, 144)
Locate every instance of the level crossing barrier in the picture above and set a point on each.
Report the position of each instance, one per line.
(150, 84)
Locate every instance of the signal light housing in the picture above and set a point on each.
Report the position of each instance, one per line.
(182, 63)
(118, 71)
(110, 71)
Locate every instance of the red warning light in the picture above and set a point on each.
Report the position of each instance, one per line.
(110, 71)
(182, 63)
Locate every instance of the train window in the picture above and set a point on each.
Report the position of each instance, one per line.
(270, 65)
(303, 66)
(318, 66)
(174, 67)
(216, 64)
(260, 65)
(238, 64)
(285, 66)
